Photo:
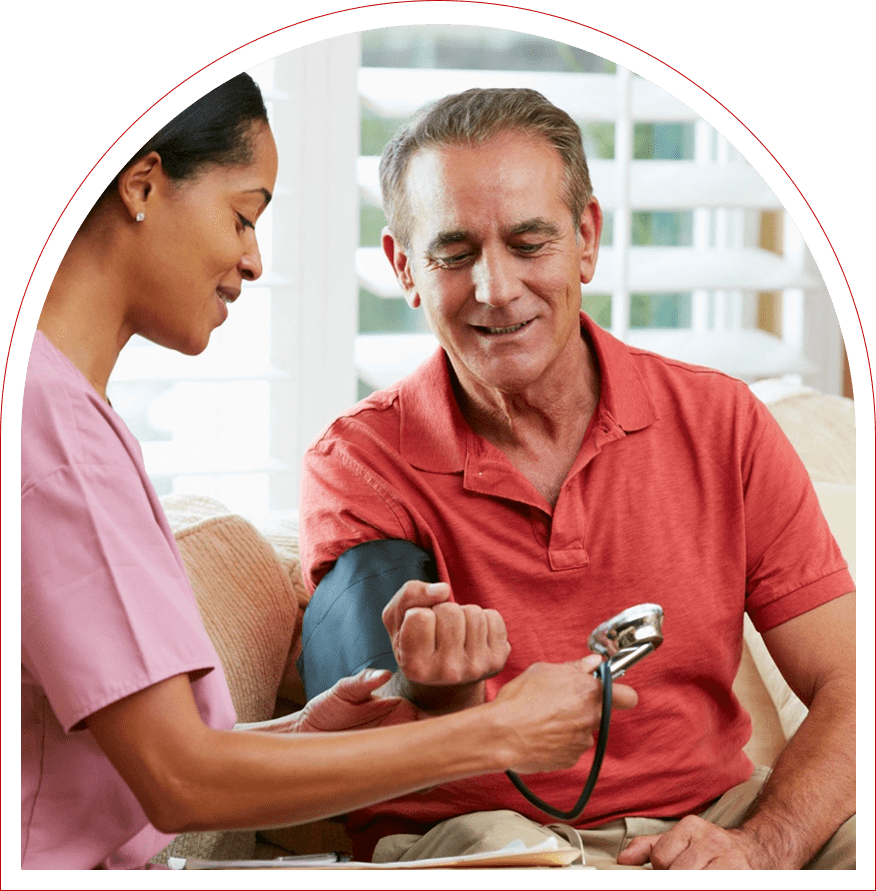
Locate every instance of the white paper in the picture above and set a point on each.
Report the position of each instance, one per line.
(515, 853)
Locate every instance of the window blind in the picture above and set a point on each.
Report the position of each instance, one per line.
(682, 268)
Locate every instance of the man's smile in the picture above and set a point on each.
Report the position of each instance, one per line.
(510, 329)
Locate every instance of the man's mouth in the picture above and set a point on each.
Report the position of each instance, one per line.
(510, 329)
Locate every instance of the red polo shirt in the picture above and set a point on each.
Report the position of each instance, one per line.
(685, 493)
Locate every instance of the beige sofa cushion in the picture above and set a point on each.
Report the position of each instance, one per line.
(838, 503)
(281, 531)
(250, 611)
(246, 598)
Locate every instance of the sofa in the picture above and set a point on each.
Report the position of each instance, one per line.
(247, 581)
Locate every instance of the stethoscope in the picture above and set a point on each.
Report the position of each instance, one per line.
(624, 640)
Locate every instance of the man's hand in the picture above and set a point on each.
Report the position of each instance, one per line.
(694, 843)
(442, 644)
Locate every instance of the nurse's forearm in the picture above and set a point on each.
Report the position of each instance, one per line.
(188, 776)
(278, 780)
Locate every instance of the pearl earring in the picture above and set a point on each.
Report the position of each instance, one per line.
(140, 216)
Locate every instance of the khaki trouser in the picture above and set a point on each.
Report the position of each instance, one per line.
(491, 830)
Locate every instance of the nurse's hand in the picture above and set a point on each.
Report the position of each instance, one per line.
(556, 710)
(349, 705)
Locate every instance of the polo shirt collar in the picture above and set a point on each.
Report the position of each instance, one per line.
(434, 435)
(624, 394)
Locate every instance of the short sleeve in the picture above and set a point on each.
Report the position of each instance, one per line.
(344, 503)
(106, 605)
(793, 561)
(106, 611)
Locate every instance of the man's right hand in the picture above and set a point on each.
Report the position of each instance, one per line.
(555, 710)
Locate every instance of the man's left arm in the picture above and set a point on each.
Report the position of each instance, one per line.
(811, 791)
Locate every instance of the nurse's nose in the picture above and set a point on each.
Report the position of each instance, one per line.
(250, 264)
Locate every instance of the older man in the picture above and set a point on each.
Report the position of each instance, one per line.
(555, 477)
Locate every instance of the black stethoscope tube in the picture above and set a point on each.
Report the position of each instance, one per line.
(604, 675)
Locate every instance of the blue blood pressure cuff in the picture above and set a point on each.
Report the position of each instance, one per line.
(343, 631)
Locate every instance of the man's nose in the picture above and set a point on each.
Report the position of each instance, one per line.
(495, 280)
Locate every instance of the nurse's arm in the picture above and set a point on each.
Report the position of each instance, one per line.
(188, 776)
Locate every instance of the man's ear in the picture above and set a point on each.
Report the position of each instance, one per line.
(398, 259)
(137, 183)
(589, 232)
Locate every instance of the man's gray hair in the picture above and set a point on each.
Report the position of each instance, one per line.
(473, 118)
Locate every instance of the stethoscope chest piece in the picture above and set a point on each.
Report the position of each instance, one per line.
(623, 639)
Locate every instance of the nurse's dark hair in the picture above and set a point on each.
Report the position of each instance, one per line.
(473, 118)
(214, 130)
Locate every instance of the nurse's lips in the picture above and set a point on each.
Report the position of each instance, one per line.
(228, 294)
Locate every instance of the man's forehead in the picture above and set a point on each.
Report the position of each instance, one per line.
(505, 142)
(514, 181)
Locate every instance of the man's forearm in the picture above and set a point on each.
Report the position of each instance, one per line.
(811, 791)
(807, 798)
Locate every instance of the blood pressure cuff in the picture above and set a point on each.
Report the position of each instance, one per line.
(343, 631)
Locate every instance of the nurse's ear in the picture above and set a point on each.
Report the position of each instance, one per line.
(399, 260)
(139, 185)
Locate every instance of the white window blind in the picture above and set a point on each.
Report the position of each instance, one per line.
(695, 248)
(682, 269)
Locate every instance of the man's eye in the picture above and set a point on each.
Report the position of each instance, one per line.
(529, 248)
(247, 224)
(453, 261)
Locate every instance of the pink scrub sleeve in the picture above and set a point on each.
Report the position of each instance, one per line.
(106, 610)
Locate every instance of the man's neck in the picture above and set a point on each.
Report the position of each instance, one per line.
(548, 408)
(540, 428)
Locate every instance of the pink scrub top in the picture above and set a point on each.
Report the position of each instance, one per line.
(106, 610)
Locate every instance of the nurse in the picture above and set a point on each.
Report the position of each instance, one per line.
(128, 729)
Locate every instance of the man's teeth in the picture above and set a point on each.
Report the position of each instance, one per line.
(504, 330)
